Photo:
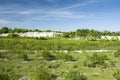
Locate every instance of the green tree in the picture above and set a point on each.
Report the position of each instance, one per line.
(66, 35)
(82, 32)
(48, 30)
(19, 30)
(4, 30)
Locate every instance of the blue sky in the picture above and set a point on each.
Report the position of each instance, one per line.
(61, 15)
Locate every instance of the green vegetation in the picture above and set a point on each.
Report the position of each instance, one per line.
(117, 75)
(117, 53)
(78, 33)
(56, 44)
(75, 75)
(24, 56)
(47, 55)
(4, 30)
(13, 35)
(56, 59)
(96, 59)
(64, 56)
(4, 77)
(43, 74)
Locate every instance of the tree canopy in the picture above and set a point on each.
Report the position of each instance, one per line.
(77, 33)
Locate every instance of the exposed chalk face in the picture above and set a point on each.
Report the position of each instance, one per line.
(34, 34)
(54, 34)
(110, 37)
(4, 34)
(37, 34)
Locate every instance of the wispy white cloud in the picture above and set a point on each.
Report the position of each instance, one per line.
(51, 15)
(3, 21)
(54, 14)
(9, 10)
(61, 15)
(25, 12)
(80, 4)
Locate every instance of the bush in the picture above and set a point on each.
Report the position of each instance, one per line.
(4, 76)
(43, 74)
(75, 75)
(25, 56)
(68, 57)
(116, 75)
(47, 55)
(65, 56)
(41, 38)
(53, 65)
(117, 54)
(2, 55)
(13, 35)
(96, 60)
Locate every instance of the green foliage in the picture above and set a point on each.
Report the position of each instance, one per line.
(55, 44)
(96, 60)
(4, 30)
(25, 57)
(90, 38)
(75, 75)
(53, 65)
(66, 35)
(36, 30)
(82, 32)
(48, 30)
(19, 47)
(44, 74)
(47, 55)
(19, 30)
(67, 57)
(78, 32)
(4, 76)
(116, 75)
(13, 35)
(117, 54)
(2, 55)
(64, 56)
(41, 38)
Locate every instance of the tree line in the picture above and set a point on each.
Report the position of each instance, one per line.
(20, 30)
(88, 32)
(77, 33)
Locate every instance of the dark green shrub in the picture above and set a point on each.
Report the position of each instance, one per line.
(13, 35)
(116, 75)
(68, 57)
(75, 75)
(47, 55)
(25, 56)
(43, 74)
(96, 60)
(2, 55)
(41, 38)
(4, 30)
(65, 56)
(117, 54)
(4, 76)
(53, 65)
